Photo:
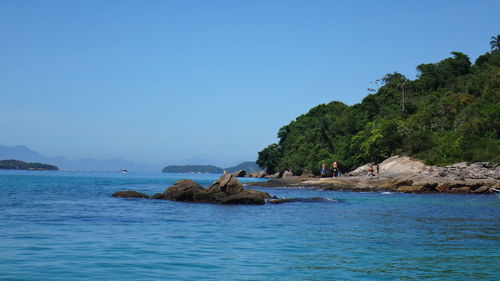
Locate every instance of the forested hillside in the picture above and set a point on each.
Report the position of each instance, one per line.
(450, 113)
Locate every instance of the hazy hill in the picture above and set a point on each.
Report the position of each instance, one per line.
(193, 169)
(249, 167)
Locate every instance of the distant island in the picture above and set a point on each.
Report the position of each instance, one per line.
(209, 169)
(12, 164)
(249, 167)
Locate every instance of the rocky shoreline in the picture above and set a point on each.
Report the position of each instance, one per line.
(404, 174)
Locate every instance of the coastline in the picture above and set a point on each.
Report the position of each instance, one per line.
(403, 174)
(380, 184)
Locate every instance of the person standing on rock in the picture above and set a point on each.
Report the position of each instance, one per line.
(323, 170)
(335, 169)
(370, 171)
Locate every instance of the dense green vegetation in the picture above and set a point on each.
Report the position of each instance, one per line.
(193, 169)
(20, 165)
(450, 113)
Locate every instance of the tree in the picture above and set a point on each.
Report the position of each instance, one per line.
(495, 42)
(269, 158)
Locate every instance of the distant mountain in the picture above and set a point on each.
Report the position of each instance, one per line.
(193, 165)
(12, 164)
(24, 153)
(193, 169)
(249, 167)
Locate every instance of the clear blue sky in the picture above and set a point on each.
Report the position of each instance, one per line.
(161, 81)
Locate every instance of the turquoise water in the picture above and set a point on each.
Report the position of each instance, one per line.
(66, 226)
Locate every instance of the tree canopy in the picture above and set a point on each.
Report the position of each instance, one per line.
(449, 113)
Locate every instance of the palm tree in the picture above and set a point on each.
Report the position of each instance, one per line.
(495, 42)
(402, 86)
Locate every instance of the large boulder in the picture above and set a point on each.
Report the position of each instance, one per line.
(240, 173)
(273, 176)
(182, 190)
(227, 183)
(260, 174)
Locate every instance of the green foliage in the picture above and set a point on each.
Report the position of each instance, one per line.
(269, 158)
(495, 42)
(450, 113)
(20, 165)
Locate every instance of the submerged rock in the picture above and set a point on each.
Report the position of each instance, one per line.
(305, 200)
(130, 194)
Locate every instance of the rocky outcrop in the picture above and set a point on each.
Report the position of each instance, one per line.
(405, 174)
(273, 176)
(130, 194)
(240, 173)
(477, 171)
(259, 174)
(182, 190)
(226, 190)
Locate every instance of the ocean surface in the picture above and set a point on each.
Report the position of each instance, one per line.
(66, 226)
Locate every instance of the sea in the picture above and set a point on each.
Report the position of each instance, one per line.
(57, 225)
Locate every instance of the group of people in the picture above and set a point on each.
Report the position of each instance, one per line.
(335, 169)
(373, 170)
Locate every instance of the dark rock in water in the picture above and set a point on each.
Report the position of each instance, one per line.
(130, 194)
(226, 190)
(247, 197)
(183, 190)
(159, 196)
(240, 173)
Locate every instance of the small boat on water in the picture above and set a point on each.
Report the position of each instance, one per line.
(123, 171)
